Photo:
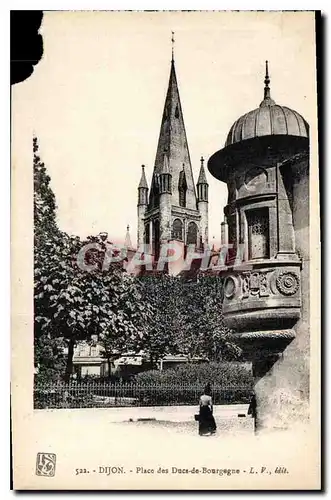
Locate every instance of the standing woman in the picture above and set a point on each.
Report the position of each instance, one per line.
(207, 424)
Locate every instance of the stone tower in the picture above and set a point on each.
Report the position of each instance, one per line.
(202, 188)
(265, 164)
(172, 210)
(142, 205)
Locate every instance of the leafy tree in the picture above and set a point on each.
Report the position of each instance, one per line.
(48, 352)
(186, 318)
(51, 360)
(77, 298)
(204, 333)
(160, 314)
(162, 294)
(119, 312)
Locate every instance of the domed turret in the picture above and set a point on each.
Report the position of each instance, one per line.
(268, 119)
(268, 128)
(265, 303)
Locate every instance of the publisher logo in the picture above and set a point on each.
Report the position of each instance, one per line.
(46, 464)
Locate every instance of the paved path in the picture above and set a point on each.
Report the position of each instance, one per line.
(87, 439)
(165, 413)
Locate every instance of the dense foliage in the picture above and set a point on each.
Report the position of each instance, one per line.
(157, 314)
(48, 350)
(187, 318)
(73, 303)
(219, 374)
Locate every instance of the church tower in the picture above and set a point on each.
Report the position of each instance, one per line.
(173, 211)
(142, 205)
(202, 188)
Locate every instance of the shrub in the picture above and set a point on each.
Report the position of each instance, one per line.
(234, 374)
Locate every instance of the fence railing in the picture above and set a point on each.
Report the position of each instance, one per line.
(103, 394)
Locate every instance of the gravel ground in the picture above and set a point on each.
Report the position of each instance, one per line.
(224, 426)
(89, 440)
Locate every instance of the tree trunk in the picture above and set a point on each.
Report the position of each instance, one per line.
(109, 368)
(151, 360)
(68, 371)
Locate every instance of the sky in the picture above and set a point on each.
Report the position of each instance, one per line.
(95, 100)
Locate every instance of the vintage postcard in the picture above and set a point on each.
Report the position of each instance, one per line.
(165, 252)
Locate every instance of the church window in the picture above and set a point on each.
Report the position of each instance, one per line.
(182, 197)
(155, 194)
(177, 112)
(192, 233)
(258, 233)
(177, 230)
(156, 237)
(147, 233)
(182, 188)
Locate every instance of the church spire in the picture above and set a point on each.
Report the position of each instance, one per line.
(173, 210)
(127, 241)
(173, 142)
(202, 188)
(172, 46)
(267, 101)
(143, 188)
(143, 181)
(266, 82)
(202, 175)
(202, 184)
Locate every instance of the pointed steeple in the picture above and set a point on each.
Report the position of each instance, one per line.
(143, 189)
(173, 142)
(172, 45)
(165, 167)
(202, 175)
(143, 181)
(202, 184)
(267, 101)
(142, 206)
(172, 198)
(127, 241)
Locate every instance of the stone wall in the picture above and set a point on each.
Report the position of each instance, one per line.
(203, 209)
(282, 388)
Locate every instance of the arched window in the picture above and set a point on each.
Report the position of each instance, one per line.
(177, 112)
(177, 230)
(258, 233)
(154, 200)
(156, 237)
(147, 236)
(182, 198)
(192, 234)
(182, 188)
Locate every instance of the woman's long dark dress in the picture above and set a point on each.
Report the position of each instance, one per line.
(207, 422)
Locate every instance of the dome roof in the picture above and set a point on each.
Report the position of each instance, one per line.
(268, 119)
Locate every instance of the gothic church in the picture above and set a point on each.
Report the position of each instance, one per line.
(173, 208)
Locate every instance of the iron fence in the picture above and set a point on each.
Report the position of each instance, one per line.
(103, 395)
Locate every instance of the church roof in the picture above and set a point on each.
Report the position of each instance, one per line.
(143, 181)
(268, 119)
(202, 175)
(172, 155)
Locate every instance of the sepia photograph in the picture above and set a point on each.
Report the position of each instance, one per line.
(165, 251)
